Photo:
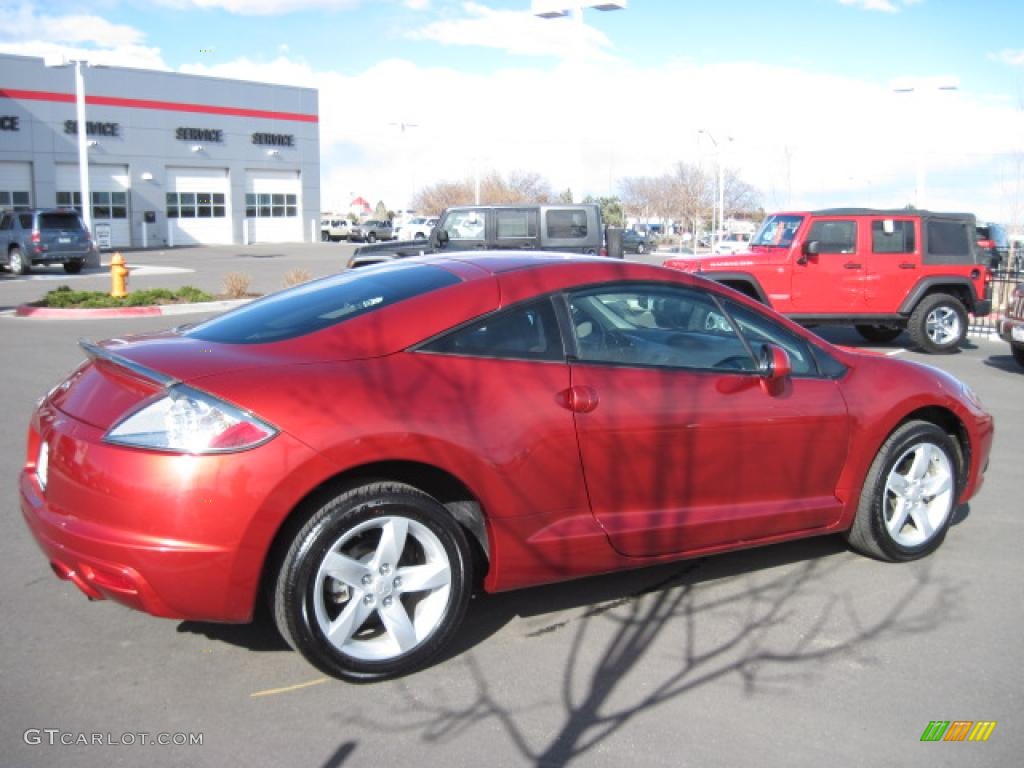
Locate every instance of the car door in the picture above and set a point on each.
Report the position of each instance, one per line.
(892, 262)
(830, 281)
(683, 447)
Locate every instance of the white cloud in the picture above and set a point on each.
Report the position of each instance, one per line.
(518, 32)
(886, 6)
(264, 7)
(416, 5)
(1014, 58)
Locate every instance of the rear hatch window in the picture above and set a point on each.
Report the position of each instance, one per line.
(323, 303)
(59, 222)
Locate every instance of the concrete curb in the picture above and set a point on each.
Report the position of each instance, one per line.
(52, 313)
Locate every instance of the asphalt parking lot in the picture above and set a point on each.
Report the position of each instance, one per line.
(799, 654)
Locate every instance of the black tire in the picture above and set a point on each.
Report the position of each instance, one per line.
(72, 267)
(1018, 353)
(325, 237)
(371, 238)
(17, 262)
(938, 324)
(306, 600)
(878, 333)
(640, 248)
(870, 533)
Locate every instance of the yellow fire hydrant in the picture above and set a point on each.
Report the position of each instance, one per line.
(118, 276)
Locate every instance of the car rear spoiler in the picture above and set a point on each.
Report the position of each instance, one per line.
(96, 352)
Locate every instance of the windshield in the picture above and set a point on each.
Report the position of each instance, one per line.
(778, 231)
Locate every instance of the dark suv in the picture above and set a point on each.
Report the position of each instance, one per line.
(881, 271)
(46, 236)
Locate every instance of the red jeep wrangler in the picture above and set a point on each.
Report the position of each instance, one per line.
(880, 271)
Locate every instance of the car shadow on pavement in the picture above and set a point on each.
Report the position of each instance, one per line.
(1003, 363)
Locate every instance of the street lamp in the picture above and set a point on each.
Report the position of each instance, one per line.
(919, 88)
(83, 145)
(557, 9)
(721, 189)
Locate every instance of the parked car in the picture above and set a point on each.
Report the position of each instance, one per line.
(733, 242)
(880, 271)
(46, 236)
(993, 243)
(1011, 327)
(371, 231)
(364, 449)
(416, 228)
(334, 228)
(557, 227)
(636, 242)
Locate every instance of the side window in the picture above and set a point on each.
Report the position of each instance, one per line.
(566, 225)
(656, 326)
(26, 220)
(465, 225)
(524, 332)
(516, 224)
(7, 222)
(897, 237)
(947, 238)
(834, 236)
(758, 330)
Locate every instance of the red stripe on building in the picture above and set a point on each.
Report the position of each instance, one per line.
(170, 106)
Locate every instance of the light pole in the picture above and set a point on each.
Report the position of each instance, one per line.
(919, 88)
(557, 9)
(83, 144)
(721, 189)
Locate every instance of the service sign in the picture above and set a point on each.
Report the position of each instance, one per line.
(102, 235)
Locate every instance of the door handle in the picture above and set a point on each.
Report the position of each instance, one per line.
(578, 399)
(908, 265)
(851, 265)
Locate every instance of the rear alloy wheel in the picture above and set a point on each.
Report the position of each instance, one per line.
(938, 323)
(17, 262)
(640, 248)
(72, 267)
(325, 237)
(375, 583)
(371, 238)
(909, 495)
(878, 333)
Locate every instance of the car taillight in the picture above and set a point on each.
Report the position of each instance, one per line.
(603, 251)
(36, 237)
(186, 420)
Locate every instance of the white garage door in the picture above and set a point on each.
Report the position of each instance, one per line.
(272, 206)
(109, 186)
(15, 185)
(198, 206)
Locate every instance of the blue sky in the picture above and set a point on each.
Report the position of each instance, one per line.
(799, 94)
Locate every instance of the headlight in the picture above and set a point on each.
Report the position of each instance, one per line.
(188, 421)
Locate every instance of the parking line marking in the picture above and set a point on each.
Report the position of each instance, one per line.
(272, 691)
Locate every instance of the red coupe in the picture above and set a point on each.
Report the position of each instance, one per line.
(366, 449)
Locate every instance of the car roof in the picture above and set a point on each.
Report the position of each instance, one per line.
(874, 212)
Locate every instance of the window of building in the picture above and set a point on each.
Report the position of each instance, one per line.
(264, 205)
(105, 205)
(14, 199)
(196, 205)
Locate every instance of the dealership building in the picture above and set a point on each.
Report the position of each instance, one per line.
(173, 159)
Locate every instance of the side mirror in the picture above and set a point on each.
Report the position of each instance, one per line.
(809, 251)
(773, 363)
(438, 238)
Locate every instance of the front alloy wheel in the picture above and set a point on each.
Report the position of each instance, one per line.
(375, 583)
(909, 495)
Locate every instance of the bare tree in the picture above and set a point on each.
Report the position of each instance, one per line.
(517, 187)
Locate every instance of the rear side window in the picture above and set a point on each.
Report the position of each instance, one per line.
(323, 303)
(899, 240)
(948, 241)
(565, 225)
(50, 222)
(25, 219)
(525, 332)
(516, 223)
